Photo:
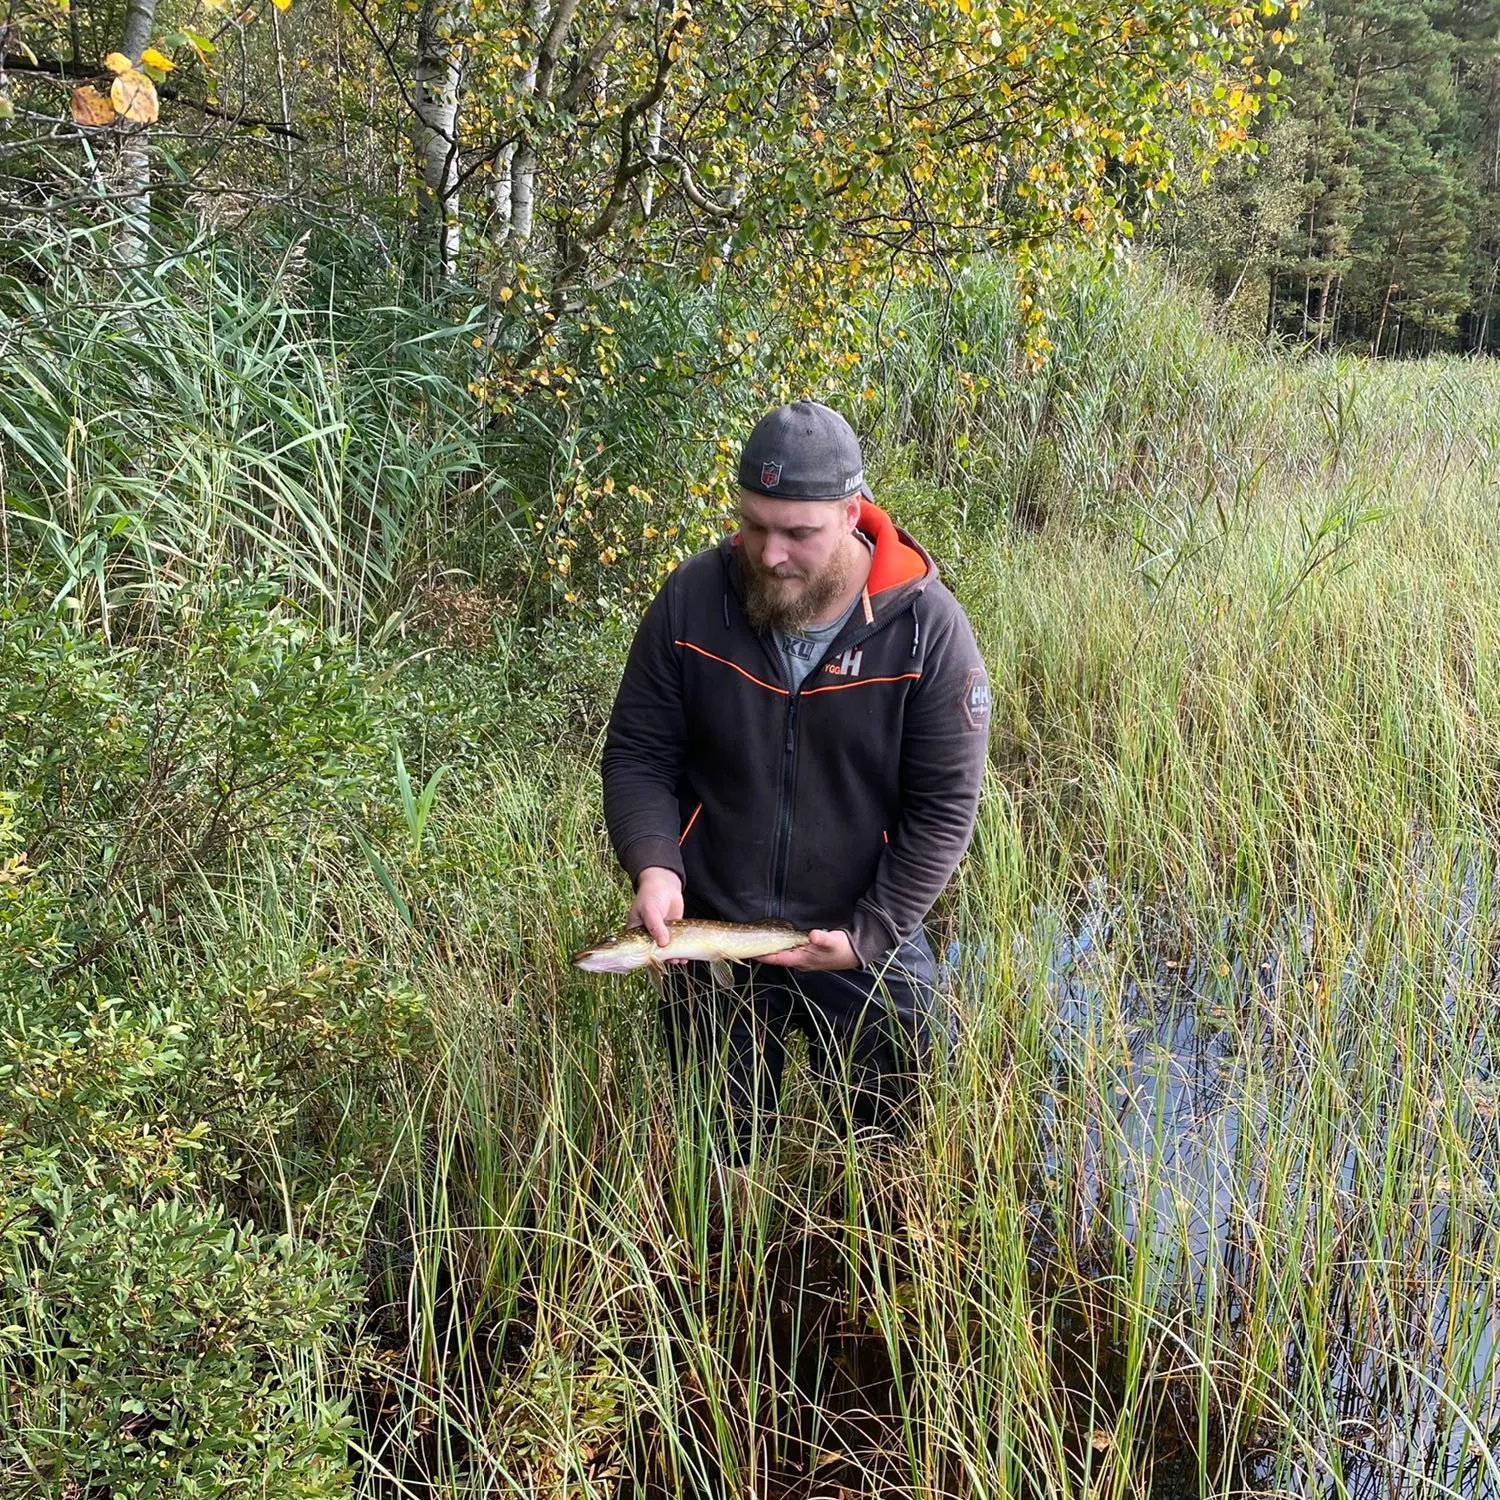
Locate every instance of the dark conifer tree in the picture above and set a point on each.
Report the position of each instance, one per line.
(1396, 244)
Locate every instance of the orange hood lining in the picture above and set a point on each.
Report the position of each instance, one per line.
(894, 562)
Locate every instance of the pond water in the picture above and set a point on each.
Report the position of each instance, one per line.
(1222, 1112)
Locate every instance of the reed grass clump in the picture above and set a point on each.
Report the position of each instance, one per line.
(232, 415)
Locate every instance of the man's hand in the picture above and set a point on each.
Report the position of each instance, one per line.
(823, 950)
(658, 900)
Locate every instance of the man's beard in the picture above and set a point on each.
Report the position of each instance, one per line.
(770, 605)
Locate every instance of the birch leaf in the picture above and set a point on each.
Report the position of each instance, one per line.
(158, 60)
(134, 95)
(200, 44)
(90, 107)
(118, 63)
(282, 4)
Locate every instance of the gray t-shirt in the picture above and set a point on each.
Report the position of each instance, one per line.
(801, 652)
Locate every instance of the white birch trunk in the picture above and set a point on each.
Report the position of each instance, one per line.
(500, 195)
(502, 184)
(281, 89)
(657, 114)
(134, 181)
(436, 77)
(523, 195)
(523, 168)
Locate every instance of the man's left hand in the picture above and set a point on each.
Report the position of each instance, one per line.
(823, 950)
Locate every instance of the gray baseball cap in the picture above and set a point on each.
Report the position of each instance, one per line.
(802, 451)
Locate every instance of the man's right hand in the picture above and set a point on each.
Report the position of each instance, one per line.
(658, 900)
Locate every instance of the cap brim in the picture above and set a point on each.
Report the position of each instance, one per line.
(754, 489)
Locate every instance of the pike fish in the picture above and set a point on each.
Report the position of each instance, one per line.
(717, 943)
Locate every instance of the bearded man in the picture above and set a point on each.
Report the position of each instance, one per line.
(800, 733)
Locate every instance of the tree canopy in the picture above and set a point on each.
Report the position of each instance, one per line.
(1386, 233)
(535, 151)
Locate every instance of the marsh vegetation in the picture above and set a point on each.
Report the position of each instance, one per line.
(323, 1171)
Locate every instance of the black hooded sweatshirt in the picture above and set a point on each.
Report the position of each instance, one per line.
(845, 804)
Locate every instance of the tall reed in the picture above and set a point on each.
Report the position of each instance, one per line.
(220, 417)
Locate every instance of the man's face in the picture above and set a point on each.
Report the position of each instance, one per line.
(796, 557)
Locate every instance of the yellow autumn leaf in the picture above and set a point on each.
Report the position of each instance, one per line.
(118, 63)
(154, 59)
(90, 107)
(282, 4)
(134, 95)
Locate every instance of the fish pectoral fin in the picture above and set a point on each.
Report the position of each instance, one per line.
(721, 971)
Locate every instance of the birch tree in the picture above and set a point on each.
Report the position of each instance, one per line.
(437, 78)
(135, 153)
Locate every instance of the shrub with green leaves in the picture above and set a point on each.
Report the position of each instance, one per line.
(181, 1185)
(153, 1348)
(193, 1122)
(138, 773)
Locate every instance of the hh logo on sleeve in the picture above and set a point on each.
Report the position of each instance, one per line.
(976, 698)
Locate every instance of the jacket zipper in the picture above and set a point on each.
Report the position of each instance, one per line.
(783, 852)
(784, 802)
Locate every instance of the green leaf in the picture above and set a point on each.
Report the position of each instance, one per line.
(383, 875)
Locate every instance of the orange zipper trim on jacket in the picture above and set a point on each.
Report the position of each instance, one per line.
(724, 661)
(838, 687)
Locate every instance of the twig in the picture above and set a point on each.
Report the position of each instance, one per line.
(66, 72)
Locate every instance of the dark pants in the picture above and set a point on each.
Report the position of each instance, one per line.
(867, 1034)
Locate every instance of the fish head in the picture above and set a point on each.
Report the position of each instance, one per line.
(618, 953)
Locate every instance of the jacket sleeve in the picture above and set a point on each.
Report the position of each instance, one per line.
(643, 747)
(943, 743)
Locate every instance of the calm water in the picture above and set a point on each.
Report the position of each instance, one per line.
(1196, 1080)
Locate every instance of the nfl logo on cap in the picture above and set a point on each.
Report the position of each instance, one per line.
(770, 475)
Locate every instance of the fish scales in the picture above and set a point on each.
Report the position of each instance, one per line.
(690, 938)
